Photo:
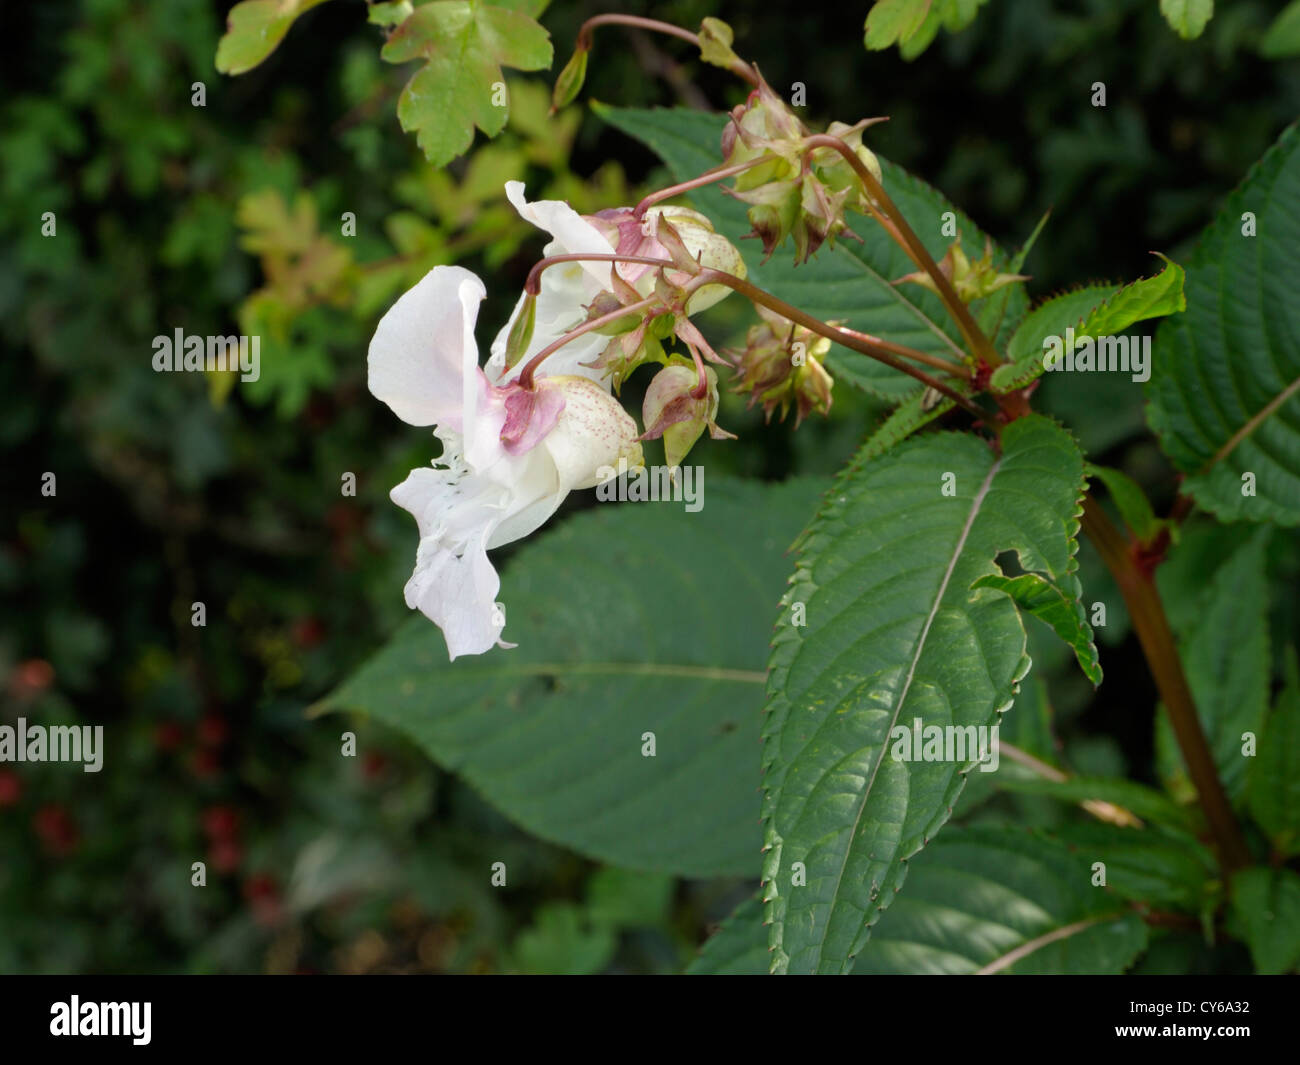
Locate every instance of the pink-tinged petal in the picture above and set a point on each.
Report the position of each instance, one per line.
(530, 415)
(592, 433)
(422, 347)
(571, 232)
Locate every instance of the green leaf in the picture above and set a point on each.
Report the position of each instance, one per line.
(1282, 40)
(1188, 17)
(738, 948)
(891, 21)
(905, 419)
(848, 283)
(1096, 311)
(1063, 613)
(1266, 902)
(1273, 777)
(1130, 500)
(1146, 803)
(1002, 900)
(253, 30)
(893, 632)
(995, 900)
(464, 44)
(629, 619)
(1158, 869)
(561, 942)
(1224, 394)
(621, 898)
(1225, 652)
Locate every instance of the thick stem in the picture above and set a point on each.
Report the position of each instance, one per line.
(899, 229)
(1148, 615)
(740, 67)
(878, 350)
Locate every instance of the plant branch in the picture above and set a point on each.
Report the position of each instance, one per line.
(980, 345)
(1157, 640)
(740, 67)
(881, 351)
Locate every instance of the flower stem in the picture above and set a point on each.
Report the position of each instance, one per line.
(879, 350)
(740, 68)
(1157, 640)
(898, 228)
(718, 173)
(526, 374)
(533, 283)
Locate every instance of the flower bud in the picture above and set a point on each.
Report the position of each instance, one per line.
(569, 83)
(673, 410)
(782, 363)
(521, 330)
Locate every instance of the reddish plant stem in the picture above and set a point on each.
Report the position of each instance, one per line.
(980, 345)
(533, 283)
(878, 350)
(1152, 626)
(719, 173)
(740, 67)
(526, 374)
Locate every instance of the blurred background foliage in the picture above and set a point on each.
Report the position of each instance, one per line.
(229, 218)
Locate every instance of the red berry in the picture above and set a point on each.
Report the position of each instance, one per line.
(263, 895)
(225, 856)
(205, 764)
(213, 730)
(307, 631)
(11, 787)
(220, 822)
(168, 735)
(31, 678)
(56, 829)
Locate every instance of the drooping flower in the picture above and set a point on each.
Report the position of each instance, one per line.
(567, 289)
(510, 455)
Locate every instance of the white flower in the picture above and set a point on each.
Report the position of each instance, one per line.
(510, 456)
(567, 288)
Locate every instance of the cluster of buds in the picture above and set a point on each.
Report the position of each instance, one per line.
(676, 234)
(970, 280)
(793, 191)
(783, 364)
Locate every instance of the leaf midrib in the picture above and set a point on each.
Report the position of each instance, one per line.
(924, 634)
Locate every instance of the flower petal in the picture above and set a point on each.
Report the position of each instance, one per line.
(423, 346)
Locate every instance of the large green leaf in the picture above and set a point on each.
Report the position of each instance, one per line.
(894, 632)
(1224, 394)
(850, 283)
(1273, 777)
(1266, 905)
(988, 900)
(1225, 651)
(629, 619)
